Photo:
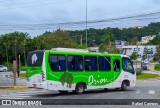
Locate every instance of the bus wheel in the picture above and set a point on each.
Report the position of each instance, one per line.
(124, 86)
(63, 92)
(80, 88)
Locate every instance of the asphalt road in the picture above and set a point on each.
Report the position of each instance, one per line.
(145, 89)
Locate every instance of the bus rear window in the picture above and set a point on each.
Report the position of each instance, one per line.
(35, 58)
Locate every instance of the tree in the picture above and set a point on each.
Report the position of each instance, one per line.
(11, 46)
(157, 54)
(133, 56)
(108, 45)
(56, 39)
(145, 53)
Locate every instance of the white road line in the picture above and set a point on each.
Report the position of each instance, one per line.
(19, 96)
(34, 92)
(26, 94)
(151, 92)
(34, 89)
(11, 98)
(137, 91)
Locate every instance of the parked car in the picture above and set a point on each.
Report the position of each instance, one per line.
(145, 65)
(3, 68)
(146, 61)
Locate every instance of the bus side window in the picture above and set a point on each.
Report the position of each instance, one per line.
(87, 63)
(53, 62)
(57, 62)
(75, 63)
(62, 63)
(104, 63)
(116, 65)
(79, 62)
(90, 63)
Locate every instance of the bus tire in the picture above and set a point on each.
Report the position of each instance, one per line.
(124, 86)
(80, 88)
(62, 91)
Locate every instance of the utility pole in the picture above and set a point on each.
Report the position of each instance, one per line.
(137, 55)
(7, 54)
(19, 61)
(86, 24)
(24, 52)
(14, 71)
(81, 41)
(15, 49)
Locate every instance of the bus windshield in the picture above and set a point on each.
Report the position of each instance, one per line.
(127, 65)
(35, 58)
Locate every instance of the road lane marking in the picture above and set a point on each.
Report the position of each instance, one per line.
(137, 91)
(151, 92)
(25, 94)
(33, 92)
(14, 96)
(10, 98)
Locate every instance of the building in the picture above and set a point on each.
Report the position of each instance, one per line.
(94, 49)
(146, 39)
(139, 27)
(150, 50)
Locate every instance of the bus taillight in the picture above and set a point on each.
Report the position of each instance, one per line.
(43, 76)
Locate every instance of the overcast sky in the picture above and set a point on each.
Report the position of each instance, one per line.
(15, 14)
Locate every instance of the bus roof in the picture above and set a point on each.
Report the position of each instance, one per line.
(83, 53)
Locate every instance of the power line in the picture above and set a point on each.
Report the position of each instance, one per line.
(81, 23)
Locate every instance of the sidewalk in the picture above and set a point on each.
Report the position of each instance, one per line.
(7, 82)
(151, 71)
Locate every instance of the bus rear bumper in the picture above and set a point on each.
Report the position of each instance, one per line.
(38, 85)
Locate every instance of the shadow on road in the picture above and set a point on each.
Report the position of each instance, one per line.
(85, 93)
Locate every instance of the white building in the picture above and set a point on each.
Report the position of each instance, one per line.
(140, 49)
(146, 39)
(94, 49)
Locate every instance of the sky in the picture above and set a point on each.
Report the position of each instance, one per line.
(38, 16)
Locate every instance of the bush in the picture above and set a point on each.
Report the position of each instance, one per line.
(8, 64)
(157, 67)
(138, 71)
(23, 68)
(147, 75)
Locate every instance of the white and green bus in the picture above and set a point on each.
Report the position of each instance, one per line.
(75, 70)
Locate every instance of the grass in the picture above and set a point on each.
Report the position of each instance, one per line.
(157, 67)
(147, 76)
(23, 75)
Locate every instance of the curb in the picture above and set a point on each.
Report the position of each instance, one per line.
(13, 87)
